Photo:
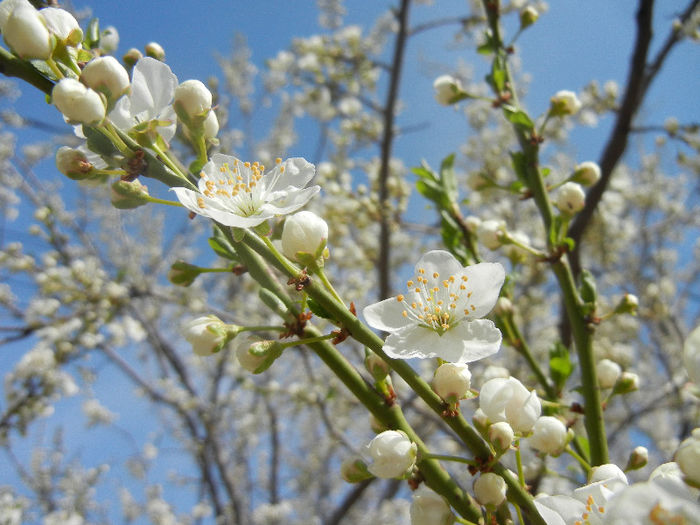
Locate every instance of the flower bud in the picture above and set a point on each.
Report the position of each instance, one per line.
(304, 232)
(78, 103)
(626, 383)
(155, 50)
(192, 102)
(472, 223)
(132, 56)
(501, 436)
(109, 39)
(392, 453)
(504, 306)
(607, 471)
(549, 435)
(452, 381)
(247, 360)
(608, 372)
(570, 198)
(508, 400)
(586, 173)
(73, 163)
(129, 195)
(490, 233)
(26, 33)
(429, 508)
(183, 274)
(691, 355)
(376, 366)
(564, 103)
(638, 459)
(528, 16)
(107, 76)
(63, 25)
(448, 90)
(628, 304)
(490, 489)
(354, 470)
(257, 356)
(207, 335)
(688, 458)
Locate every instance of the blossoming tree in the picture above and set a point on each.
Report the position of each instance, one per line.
(538, 358)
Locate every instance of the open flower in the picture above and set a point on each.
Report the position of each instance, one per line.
(243, 195)
(152, 88)
(439, 314)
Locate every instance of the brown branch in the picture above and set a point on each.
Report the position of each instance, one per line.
(639, 79)
(384, 263)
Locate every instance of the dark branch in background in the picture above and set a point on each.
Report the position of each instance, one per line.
(640, 77)
(384, 263)
(350, 499)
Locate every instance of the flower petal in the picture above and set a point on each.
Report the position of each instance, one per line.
(292, 200)
(212, 209)
(413, 341)
(297, 172)
(479, 338)
(484, 281)
(386, 315)
(439, 262)
(152, 87)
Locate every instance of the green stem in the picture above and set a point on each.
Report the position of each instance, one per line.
(155, 200)
(54, 68)
(593, 414)
(456, 459)
(262, 328)
(584, 464)
(519, 463)
(288, 266)
(328, 285)
(167, 161)
(109, 131)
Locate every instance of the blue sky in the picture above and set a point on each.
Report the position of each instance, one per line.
(572, 44)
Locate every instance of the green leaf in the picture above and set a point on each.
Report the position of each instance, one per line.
(430, 190)
(588, 290)
(448, 179)
(318, 310)
(518, 118)
(560, 365)
(98, 143)
(92, 34)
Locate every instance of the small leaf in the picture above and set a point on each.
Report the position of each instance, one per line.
(98, 143)
(92, 34)
(519, 118)
(447, 177)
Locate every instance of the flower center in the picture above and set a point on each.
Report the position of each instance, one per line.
(241, 186)
(434, 303)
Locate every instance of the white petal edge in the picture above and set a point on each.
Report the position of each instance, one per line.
(484, 280)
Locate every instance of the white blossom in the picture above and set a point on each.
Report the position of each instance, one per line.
(439, 316)
(430, 508)
(508, 400)
(244, 195)
(391, 453)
